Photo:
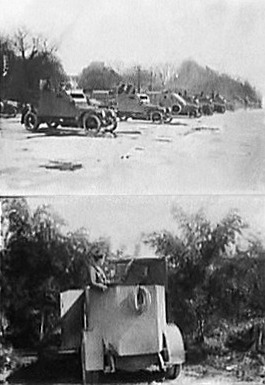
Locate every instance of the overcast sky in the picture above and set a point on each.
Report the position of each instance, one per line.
(227, 35)
(124, 218)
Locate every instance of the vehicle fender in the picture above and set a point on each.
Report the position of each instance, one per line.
(174, 345)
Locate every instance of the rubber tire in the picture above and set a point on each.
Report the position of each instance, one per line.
(27, 121)
(87, 119)
(173, 372)
(159, 115)
(176, 109)
(112, 127)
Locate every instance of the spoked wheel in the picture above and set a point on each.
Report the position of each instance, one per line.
(113, 124)
(173, 372)
(91, 123)
(31, 121)
(157, 117)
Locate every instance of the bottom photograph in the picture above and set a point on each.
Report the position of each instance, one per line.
(132, 289)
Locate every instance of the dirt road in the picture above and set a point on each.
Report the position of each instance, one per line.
(218, 154)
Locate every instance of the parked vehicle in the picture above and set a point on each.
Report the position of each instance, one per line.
(219, 104)
(8, 108)
(124, 327)
(206, 104)
(68, 109)
(176, 103)
(105, 97)
(133, 105)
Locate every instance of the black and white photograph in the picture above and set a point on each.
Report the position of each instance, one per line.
(120, 289)
(132, 192)
(132, 97)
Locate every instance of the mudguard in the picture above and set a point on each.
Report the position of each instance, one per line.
(174, 345)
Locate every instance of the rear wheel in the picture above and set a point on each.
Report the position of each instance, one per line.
(176, 109)
(173, 372)
(91, 123)
(31, 121)
(157, 117)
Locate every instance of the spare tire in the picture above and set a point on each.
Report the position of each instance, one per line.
(176, 109)
(31, 121)
(91, 122)
(140, 300)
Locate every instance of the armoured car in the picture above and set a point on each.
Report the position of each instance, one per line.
(124, 327)
(68, 109)
(131, 105)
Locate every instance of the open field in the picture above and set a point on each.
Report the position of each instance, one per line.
(217, 154)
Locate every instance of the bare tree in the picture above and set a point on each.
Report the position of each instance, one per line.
(28, 46)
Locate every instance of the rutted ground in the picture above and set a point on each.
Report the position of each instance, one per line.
(218, 154)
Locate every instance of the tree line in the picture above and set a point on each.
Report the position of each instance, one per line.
(210, 279)
(25, 59)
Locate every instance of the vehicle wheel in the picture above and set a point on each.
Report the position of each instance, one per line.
(113, 125)
(52, 124)
(31, 121)
(157, 117)
(91, 123)
(12, 111)
(173, 372)
(176, 109)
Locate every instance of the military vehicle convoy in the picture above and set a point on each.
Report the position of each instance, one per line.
(67, 109)
(133, 105)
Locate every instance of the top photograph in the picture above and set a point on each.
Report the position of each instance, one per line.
(135, 97)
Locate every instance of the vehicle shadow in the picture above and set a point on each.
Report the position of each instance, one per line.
(63, 132)
(70, 372)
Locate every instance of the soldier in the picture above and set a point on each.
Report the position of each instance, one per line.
(97, 277)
